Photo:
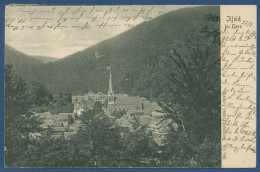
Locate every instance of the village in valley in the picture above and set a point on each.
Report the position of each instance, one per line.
(133, 109)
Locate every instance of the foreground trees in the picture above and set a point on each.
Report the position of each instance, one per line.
(192, 67)
(109, 145)
(19, 122)
(98, 143)
(21, 150)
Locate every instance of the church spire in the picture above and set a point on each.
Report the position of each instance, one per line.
(110, 88)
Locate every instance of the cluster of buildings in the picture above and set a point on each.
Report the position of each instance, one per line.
(58, 124)
(147, 113)
(137, 110)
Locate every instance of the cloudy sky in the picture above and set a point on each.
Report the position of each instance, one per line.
(58, 31)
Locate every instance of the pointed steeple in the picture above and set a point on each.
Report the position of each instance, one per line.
(110, 88)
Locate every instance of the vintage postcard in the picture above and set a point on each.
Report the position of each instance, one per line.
(130, 86)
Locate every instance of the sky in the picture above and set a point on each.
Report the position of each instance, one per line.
(58, 31)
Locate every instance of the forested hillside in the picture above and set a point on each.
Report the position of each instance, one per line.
(22, 63)
(134, 56)
(45, 59)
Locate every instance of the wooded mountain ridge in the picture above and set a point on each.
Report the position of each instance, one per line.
(134, 56)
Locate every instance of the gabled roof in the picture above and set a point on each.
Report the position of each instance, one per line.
(91, 93)
(156, 107)
(125, 116)
(124, 123)
(45, 126)
(127, 124)
(99, 93)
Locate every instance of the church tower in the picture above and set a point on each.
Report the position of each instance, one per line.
(111, 97)
(110, 88)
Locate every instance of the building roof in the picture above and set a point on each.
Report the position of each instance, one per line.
(127, 124)
(47, 122)
(124, 123)
(156, 107)
(78, 107)
(64, 116)
(145, 120)
(127, 100)
(155, 123)
(164, 128)
(90, 93)
(45, 126)
(74, 128)
(119, 121)
(157, 114)
(175, 125)
(100, 93)
(44, 115)
(59, 129)
(57, 123)
(125, 116)
(157, 138)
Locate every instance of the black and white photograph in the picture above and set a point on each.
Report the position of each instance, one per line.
(112, 86)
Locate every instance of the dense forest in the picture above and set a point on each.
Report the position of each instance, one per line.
(173, 60)
(98, 143)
